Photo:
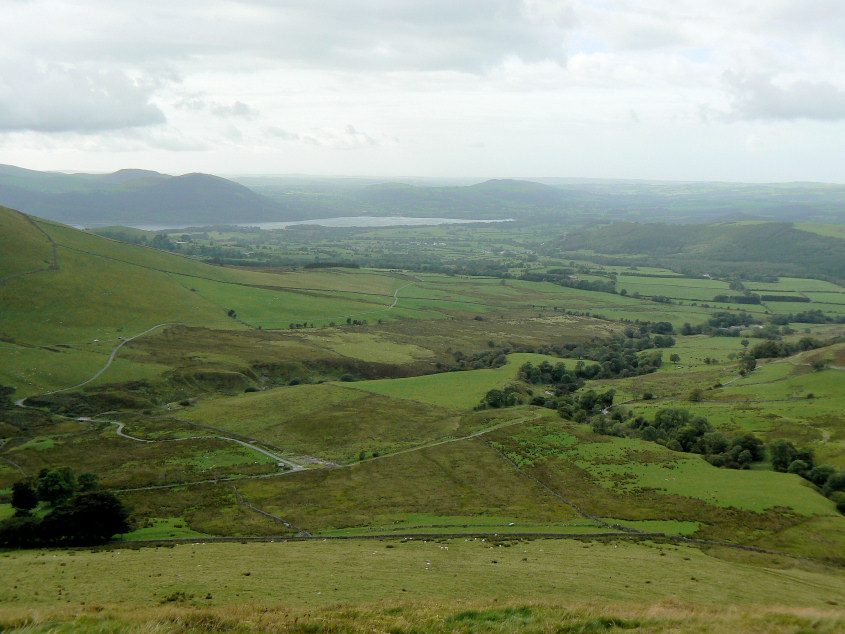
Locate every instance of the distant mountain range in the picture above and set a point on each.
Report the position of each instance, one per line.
(135, 197)
(559, 200)
(141, 197)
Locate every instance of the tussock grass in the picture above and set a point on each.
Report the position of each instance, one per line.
(536, 617)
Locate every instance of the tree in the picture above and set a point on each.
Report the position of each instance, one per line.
(669, 419)
(798, 467)
(715, 443)
(747, 364)
(782, 453)
(752, 444)
(89, 481)
(819, 474)
(56, 486)
(495, 398)
(834, 483)
(87, 518)
(24, 497)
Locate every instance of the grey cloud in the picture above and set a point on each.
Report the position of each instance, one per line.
(235, 109)
(469, 35)
(59, 99)
(284, 135)
(755, 96)
(346, 138)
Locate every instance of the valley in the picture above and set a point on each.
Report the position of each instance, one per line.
(399, 400)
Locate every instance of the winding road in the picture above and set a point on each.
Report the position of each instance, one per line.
(21, 402)
(292, 466)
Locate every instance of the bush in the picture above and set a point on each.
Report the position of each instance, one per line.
(834, 483)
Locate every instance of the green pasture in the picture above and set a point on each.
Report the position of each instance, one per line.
(823, 385)
(665, 384)
(826, 297)
(124, 463)
(410, 523)
(28, 249)
(34, 370)
(163, 528)
(460, 478)
(264, 306)
(797, 284)
(765, 373)
(455, 390)
(331, 422)
(776, 401)
(370, 346)
(822, 229)
(692, 289)
(628, 465)
(134, 256)
(787, 308)
(352, 573)
(91, 298)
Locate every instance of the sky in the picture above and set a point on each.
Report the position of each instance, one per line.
(738, 90)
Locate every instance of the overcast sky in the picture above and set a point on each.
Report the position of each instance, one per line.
(741, 90)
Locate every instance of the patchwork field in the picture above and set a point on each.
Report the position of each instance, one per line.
(348, 405)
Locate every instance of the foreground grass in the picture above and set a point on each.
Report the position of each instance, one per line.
(430, 616)
(320, 574)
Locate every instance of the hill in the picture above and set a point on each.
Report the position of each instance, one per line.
(436, 442)
(725, 248)
(143, 197)
(493, 199)
(553, 200)
(136, 197)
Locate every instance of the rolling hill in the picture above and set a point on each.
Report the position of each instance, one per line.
(763, 248)
(136, 197)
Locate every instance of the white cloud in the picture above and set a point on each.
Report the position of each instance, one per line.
(61, 99)
(506, 87)
(234, 109)
(757, 96)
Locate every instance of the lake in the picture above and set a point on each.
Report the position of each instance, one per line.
(343, 221)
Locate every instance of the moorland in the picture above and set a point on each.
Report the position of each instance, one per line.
(549, 424)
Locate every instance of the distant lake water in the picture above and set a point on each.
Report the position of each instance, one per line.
(343, 221)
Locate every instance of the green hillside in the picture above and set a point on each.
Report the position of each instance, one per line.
(763, 248)
(137, 196)
(492, 433)
(26, 247)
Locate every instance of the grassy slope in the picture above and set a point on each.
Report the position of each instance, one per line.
(326, 421)
(835, 231)
(568, 575)
(28, 249)
(458, 390)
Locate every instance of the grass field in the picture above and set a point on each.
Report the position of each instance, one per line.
(458, 584)
(382, 416)
(456, 390)
(836, 231)
(32, 251)
(331, 422)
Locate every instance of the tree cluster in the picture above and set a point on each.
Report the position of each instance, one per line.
(770, 349)
(59, 508)
(678, 430)
(787, 458)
